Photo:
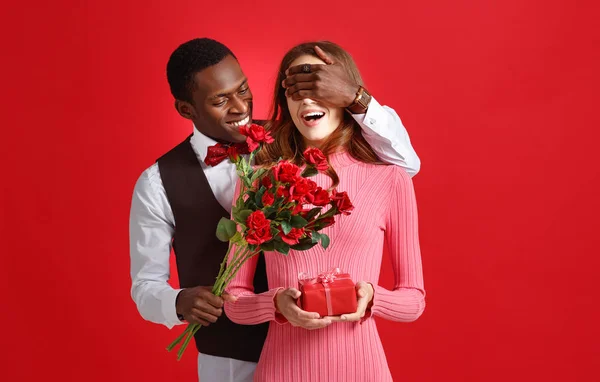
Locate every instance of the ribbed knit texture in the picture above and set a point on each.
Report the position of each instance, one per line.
(384, 221)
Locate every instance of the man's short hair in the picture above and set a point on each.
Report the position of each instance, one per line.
(190, 58)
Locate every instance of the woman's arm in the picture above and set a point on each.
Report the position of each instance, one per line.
(406, 301)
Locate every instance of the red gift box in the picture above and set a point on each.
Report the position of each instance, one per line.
(331, 293)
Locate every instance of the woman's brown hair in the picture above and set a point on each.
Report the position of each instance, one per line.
(289, 143)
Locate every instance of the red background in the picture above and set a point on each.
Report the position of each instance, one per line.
(497, 97)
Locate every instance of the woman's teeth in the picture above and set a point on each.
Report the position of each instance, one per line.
(313, 116)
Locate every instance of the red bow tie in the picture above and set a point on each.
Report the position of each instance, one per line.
(221, 151)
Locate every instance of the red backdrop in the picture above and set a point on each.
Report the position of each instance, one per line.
(496, 95)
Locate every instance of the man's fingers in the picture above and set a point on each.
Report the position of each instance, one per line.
(202, 315)
(208, 308)
(228, 297)
(302, 94)
(192, 319)
(210, 298)
(298, 87)
(302, 77)
(300, 69)
(324, 56)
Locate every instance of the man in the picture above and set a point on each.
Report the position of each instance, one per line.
(180, 200)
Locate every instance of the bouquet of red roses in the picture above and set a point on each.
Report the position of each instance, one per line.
(270, 213)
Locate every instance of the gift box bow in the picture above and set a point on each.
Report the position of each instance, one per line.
(325, 278)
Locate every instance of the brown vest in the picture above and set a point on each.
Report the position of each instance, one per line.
(199, 253)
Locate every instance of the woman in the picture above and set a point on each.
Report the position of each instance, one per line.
(345, 348)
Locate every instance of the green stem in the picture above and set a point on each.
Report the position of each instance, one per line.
(223, 263)
(178, 339)
(193, 329)
(237, 267)
(221, 284)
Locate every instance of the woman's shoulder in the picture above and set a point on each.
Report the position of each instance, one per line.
(393, 171)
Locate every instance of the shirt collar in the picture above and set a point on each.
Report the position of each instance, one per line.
(200, 143)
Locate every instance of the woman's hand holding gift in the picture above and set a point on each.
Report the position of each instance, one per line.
(286, 304)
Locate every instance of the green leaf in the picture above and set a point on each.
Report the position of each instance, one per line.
(226, 229)
(312, 213)
(286, 227)
(278, 201)
(240, 203)
(304, 244)
(282, 247)
(309, 171)
(269, 211)
(243, 216)
(324, 241)
(315, 237)
(259, 195)
(246, 181)
(284, 215)
(258, 174)
(298, 221)
(268, 246)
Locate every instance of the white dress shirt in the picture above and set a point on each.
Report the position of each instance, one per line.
(152, 225)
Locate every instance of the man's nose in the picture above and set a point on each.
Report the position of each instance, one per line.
(239, 105)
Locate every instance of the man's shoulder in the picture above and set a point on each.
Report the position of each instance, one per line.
(177, 150)
(149, 180)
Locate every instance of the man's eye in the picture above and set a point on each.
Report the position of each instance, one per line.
(219, 104)
(244, 91)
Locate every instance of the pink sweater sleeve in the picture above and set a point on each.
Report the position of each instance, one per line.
(406, 301)
(250, 308)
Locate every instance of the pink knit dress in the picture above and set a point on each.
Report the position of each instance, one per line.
(384, 221)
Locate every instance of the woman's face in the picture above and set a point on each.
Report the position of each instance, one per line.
(314, 121)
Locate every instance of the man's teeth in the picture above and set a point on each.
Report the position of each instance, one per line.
(243, 122)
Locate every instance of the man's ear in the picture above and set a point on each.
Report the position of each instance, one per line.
(185, 109)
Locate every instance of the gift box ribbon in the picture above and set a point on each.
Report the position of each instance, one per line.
(325, 279)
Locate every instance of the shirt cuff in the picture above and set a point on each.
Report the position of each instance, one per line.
(374, 121)
(169, 309)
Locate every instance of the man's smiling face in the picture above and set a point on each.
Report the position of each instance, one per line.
(222, 101)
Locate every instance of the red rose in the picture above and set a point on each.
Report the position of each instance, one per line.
(316, 158)
(266, 181)
(259, 236)
(286, 172)
(268, 199)
(298, 209)
(302, 190)
(233, 154)
(242, 148)
(320, 197)
(342, 202)
(326, 222)
(257, 220)
(293, 236)
(283, 192)
(255, 135)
